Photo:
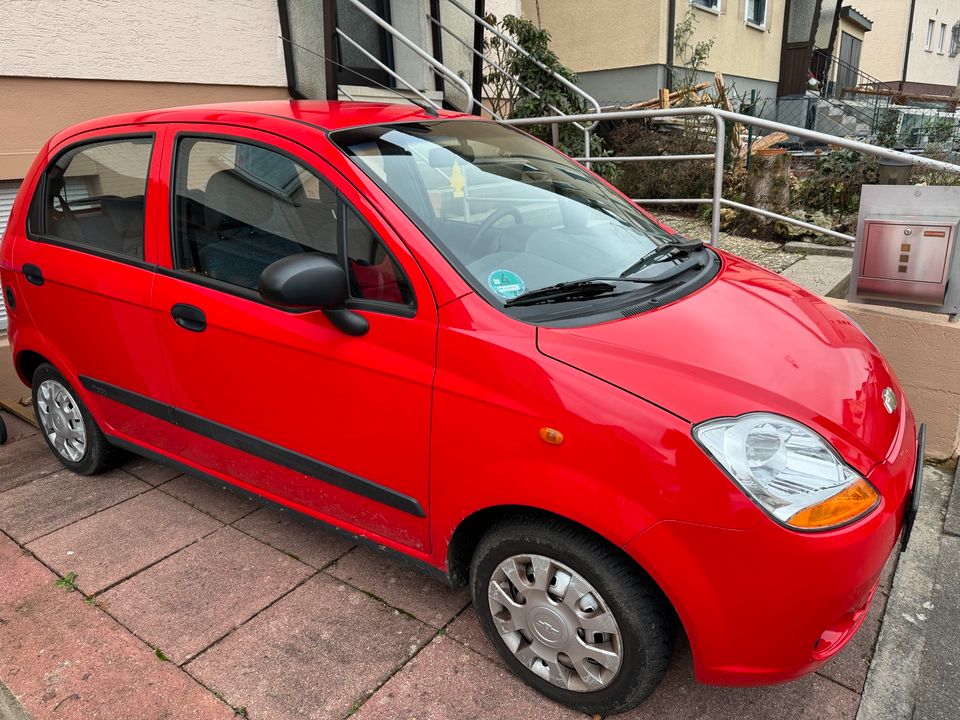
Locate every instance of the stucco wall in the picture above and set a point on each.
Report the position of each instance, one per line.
(741, 49)
(33, 109)
(922, 348)
(615, 34)
(222, 42)
(930, 66)
(602, 35)
(885, 45)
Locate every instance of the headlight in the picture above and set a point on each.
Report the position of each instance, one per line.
(788, 470)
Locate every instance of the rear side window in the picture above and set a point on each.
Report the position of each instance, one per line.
(94, 196)
(239, 207)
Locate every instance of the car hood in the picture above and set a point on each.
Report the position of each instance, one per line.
(748, 341)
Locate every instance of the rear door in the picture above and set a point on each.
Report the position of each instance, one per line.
(283, 401)
(87, 268)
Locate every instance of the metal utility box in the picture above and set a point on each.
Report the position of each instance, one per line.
(906, 248)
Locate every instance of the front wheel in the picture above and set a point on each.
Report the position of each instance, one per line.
(570, 615)
(68, 427)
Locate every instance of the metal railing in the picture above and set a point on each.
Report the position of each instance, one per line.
(431, 62)
(720, 118)
(587, 99)
(473, 102)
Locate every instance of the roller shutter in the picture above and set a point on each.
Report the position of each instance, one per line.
(8, 191)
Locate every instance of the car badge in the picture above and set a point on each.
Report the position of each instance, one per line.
(889, 400)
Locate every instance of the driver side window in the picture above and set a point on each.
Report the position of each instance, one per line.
(239, 207)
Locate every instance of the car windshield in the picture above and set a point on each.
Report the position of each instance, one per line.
(512, 214)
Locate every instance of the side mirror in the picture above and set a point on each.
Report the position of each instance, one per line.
(312, 281)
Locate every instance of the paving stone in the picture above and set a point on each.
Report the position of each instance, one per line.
(196, 596)
(42, 506)
(20, 576)
(216, 500)
(401, 586)
(150, 471)
(111, 545)
(18, 429)
(63, 659)
(446, 680)
(314, 654)
(465, 629)
(680, 696)
(295, 535)
(850, 666)
(24, 461)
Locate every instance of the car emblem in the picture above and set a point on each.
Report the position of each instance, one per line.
(547, 630)
(889, 400)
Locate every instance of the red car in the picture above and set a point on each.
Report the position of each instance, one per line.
(439, 334)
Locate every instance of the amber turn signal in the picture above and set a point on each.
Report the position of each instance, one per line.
(551, 436)
(848, 504)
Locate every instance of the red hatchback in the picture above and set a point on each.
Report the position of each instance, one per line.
(441, 335)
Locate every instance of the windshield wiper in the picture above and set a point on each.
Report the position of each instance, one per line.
(561, 292)
(674, 247)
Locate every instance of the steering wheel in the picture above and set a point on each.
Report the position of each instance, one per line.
(491, 220)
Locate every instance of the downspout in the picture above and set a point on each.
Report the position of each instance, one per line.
(671, 24)
(906, 54)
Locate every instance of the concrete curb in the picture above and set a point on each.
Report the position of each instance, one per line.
(10, 709)
(808, 248)
(890, 692)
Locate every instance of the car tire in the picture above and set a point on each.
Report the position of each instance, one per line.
(605, 584)
(68, 427)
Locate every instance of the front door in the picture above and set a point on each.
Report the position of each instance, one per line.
(849, 69)
(283, 401)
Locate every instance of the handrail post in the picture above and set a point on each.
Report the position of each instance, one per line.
(717, 179)
(586, 147)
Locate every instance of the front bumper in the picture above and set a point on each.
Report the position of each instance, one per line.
(766, 604)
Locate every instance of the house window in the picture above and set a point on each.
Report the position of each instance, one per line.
(757, 12)
(943, 36)
(931, 24)
(707, 4)
(955, 40)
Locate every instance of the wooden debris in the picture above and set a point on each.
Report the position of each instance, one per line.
(664, 98)
(724, 101)
(672, 97)
(767, 141)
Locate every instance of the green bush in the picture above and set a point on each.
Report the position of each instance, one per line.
(667, 178)
(834, 185)
(509, 87)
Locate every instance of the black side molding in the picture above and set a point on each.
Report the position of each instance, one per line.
(258, 447)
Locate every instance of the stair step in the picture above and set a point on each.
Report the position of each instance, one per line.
(382, 95)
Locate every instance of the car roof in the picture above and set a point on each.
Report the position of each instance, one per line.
(321, 114)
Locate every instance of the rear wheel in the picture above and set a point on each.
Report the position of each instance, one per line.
(67, 425)
(572, 617)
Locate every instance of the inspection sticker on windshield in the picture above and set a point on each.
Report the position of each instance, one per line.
(506, 284)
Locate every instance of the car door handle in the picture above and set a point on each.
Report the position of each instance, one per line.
(33, 274)
(189, 317)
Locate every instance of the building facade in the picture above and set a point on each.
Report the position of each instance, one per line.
(64, 61)
(623, 50)
(914, 45)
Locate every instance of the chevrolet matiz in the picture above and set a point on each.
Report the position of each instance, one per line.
(439, 334)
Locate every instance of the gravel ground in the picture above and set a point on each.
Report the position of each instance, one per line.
(763, 252)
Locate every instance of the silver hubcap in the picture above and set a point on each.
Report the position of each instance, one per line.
(61, 420)
(555, 623)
